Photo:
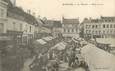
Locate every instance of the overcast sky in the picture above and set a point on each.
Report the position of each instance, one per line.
(54, 9)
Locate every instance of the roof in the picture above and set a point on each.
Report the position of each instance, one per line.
(70, 21)
(92, 21)
(40, 22)
(99, 20)
(57, 24)
(52, 23)
(18, 13)
(9, 2)
(15, 12)
(30, 19)
(113, 17)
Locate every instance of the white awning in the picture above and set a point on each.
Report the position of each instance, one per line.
(48, 38)
(98, 59)
(41, 41)
(4, 38)
(60, 46)
(110, 41)
(106, 40)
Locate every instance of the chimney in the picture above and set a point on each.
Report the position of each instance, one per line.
(90, 18)
(34, 14)
(29, 11)
(13, 2)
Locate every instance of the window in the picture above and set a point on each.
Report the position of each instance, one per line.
(1, 12)
(109, 20)
(107, 32)
(1, 27)
(72, 30)
(30, 28)
(86, 26)
(103, 25)
(64, 30)
(107, 25)
(89, 26)
(111, 26)
(96, 26)
(92, 32)
(89, 31)
(14, 26)
(99, 32)
(103, 32)
(93, 26)
(105, 20)
(20, 27)
(68, 30)
(86, 31)
(95, 32)
(111, 31)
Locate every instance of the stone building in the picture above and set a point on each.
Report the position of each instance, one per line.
(3, 15)
(55, 27)
(70, 27)
(18, 25)
(99, 28)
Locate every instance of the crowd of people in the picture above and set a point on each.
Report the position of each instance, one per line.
(51, 60)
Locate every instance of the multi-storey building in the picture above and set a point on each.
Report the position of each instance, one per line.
(70, 27)
(99, 28)
(16, 24)
(3, 15)
(55, 27)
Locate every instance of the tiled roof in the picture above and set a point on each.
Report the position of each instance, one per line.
(57, 24)
(102, 19)
(9, 2)
(108, 17)
(16, 12)
(70, 21)
(52, 23)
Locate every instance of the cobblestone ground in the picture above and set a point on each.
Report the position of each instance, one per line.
(27, 63)
(64, 67)
(79, 69)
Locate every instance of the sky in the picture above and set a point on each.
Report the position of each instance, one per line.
(55, 9)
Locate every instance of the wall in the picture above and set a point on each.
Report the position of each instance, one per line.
(108, 31)
(3, 12)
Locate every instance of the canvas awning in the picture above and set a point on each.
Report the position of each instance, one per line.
(105, 40)
(60, 46)
(48, 38)
(41, 41)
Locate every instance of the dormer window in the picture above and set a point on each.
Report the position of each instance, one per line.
(105, 20)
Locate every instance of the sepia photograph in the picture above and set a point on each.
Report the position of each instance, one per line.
(57, 35)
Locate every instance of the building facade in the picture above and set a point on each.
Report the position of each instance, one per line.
(57, 29)
(70, 27)
(99, 28)
(15, 23)
(3, 16)
(3, 13)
